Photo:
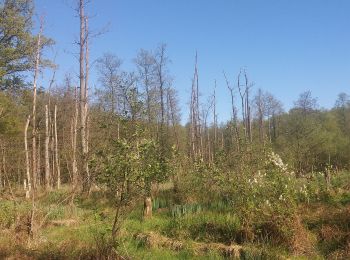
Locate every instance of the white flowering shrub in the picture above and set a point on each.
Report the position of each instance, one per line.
(258, 188)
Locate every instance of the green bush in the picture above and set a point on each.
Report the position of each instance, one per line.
(11, 211)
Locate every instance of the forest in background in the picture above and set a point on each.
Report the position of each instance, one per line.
(113, 169)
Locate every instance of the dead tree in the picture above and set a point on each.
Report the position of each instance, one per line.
(83, 78)
(56, 151)
(160, 65)
(36, 72)
(38, 162)
(207, 130)
(248, 109)
(27, 183)
(86, 105)
(47, 146)
(234, 127)
(74, 132)
(195, 128)
(172, 107)
(260, 107)
(243, 90)
(215, 121)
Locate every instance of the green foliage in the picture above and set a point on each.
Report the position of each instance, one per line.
(129, 166)
(17, 45)
(160, 203)
(10, 122)
(11, 211)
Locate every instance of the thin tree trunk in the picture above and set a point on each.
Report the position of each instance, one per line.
(74, 140)
(36, 72)
(39, 160)
(56, 151)
(83, 96)
(47, 154)
(234, 128)
(86, 107)
(28, 185)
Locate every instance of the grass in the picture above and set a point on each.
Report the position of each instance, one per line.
(83, 229)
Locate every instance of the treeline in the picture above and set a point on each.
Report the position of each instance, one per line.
(63, 133)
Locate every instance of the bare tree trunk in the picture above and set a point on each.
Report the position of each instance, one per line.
(173, 120)
(39, 160)
(199, 126)
(242, 104)
(168, 109)
(234, 128)
(28, 185)
(161, 81)
(52, 150)
(248, 110)
(47, 144)
(193, 123)
(74, 140)
(147, 208)
(83, 96)
(36, 72)
(82, 88)
(86, 152)
(196, 135)
(56, 151)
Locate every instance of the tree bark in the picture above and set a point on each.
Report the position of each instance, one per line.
(47, 154)
(83, 60)
(36, 72)
(28, 185)
(56, 151)
(74, 140)
(147, 207)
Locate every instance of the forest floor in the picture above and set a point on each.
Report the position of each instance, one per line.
(81, 230)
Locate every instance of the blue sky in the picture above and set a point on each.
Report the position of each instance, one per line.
(286, 46)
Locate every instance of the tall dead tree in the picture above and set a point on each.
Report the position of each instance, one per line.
(86, 104)
(243, 107)
(195, 128)
(83, 78)
(74, 132)
(243, 90)
(259, 103)
(173, 114)
(234, 127)
(248, 109)
(208, 147)
(56, 151)
(36, 73)
(160, 64)
(215, 122)
(47, 146)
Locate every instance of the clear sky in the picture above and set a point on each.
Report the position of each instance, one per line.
(286, 46)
